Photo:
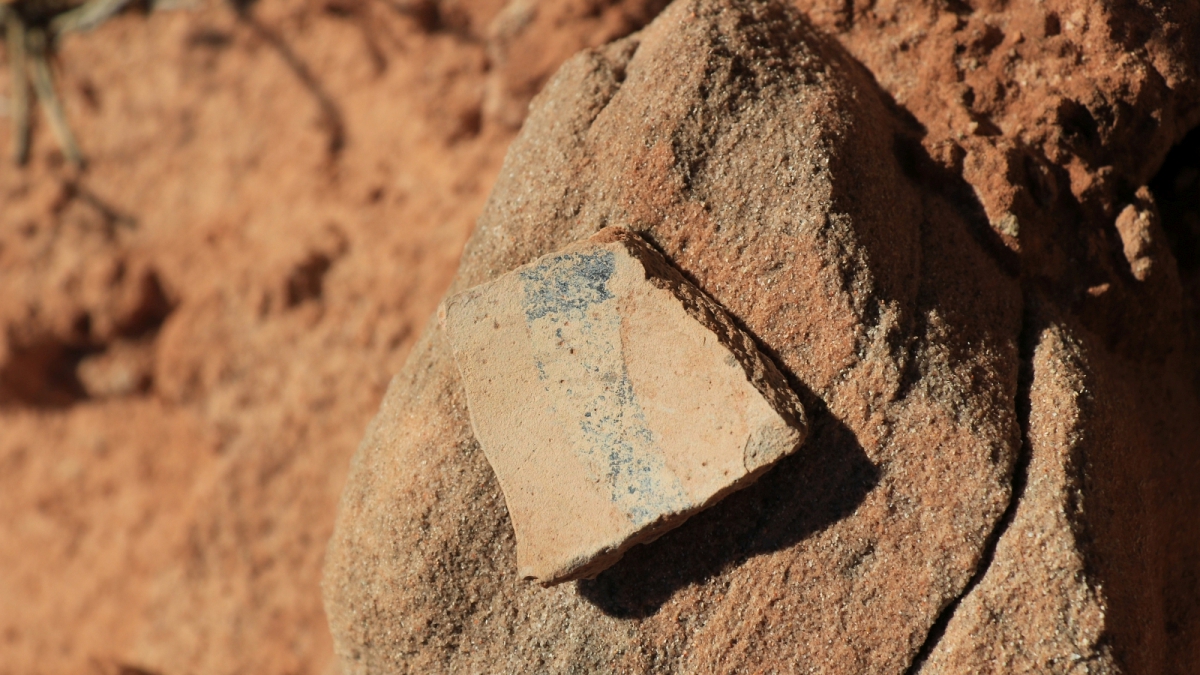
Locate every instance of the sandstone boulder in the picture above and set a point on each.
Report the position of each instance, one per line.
(767, 166)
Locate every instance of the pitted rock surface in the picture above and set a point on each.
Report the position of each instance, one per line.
(764, 163)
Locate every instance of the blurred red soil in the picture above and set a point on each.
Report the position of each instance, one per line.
(196, 329)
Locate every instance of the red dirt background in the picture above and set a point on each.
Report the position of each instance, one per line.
(198, 327)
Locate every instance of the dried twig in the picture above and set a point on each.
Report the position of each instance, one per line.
(29, 46)
(14, 30)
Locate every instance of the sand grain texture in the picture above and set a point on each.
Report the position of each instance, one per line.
(761, 161)
(758, 155)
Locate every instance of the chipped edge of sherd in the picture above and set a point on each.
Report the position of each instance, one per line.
(760, 370)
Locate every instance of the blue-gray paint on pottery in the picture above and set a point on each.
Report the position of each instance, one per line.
(576, 332)
(568, 284)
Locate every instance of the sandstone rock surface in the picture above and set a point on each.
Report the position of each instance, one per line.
(612, 400)
(763, 162)
(1058, 114)
(945, 259)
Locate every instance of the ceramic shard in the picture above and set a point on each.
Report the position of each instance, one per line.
(613, 400)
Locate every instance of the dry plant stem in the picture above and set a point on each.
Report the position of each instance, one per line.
(15, 36)
(86, 16)
(27, 52)
(43, 84)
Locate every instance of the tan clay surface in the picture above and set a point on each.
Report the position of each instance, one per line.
(612, 400)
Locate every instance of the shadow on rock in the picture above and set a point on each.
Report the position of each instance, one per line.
(805, 493)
